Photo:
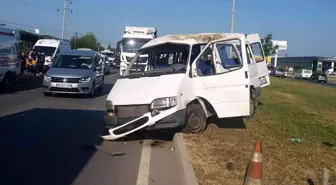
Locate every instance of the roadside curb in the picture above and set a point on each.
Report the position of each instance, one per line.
(187, 171)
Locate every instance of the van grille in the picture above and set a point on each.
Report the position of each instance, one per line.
(124, 111)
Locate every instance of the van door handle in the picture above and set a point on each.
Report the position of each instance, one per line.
(246, 74)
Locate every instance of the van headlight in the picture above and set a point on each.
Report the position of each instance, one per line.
(47, 78)
(162, 103)
(84, 79)
(109, 108)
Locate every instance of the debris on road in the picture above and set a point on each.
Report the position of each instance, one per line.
(172, 149)
(157, 143)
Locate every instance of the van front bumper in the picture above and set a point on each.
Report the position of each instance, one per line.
(174, 120)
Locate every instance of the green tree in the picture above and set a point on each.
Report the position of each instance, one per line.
(87, 41)
(268, 47)
(109, 47)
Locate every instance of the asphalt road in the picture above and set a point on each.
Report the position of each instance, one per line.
(54, 141)
(332, 85)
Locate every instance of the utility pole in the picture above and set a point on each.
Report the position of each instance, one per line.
(233, 14)
(64, 16)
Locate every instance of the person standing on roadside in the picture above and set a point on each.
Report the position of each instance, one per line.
(22, 59)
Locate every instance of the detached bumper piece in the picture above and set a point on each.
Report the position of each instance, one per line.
(141, 122)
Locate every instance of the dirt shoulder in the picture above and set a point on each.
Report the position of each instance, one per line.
(289, 109)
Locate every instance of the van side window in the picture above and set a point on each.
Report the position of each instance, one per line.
(229, 55)
(205, 64)
(257, 52)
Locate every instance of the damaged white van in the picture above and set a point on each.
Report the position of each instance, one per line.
(187, 79)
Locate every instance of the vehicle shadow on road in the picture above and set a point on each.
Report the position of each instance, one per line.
(234, 123)
(22, 84)
(43, 146)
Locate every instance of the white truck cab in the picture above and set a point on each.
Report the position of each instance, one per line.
(186, 79)
(51, 48)
(133, 39)
(10, 66)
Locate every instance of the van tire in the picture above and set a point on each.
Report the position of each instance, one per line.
(6, 80)
(253, 103)
(196, 119)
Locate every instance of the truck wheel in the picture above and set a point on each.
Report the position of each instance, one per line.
(196, 120)
(93, 90)
(6, 80)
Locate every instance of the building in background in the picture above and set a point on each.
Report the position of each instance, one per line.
(315, 63)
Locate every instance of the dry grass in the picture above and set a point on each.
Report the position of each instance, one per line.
(290, 109)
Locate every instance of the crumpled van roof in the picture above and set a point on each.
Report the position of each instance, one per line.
(190, 39)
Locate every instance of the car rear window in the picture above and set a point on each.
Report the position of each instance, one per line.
(281, 70)
(307, 71)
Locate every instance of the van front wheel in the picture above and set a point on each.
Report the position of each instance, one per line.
(196, 120)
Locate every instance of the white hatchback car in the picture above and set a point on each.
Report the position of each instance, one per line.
(303, 74)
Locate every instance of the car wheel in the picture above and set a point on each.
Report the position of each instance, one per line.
(323, 82)
(47, 94)
(100, 89)
(196, 119)
(93, 90)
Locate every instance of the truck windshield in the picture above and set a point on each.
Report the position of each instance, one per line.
(132, 45)
(108, 54)
(73, 62)
(160, 60)
(48, 51)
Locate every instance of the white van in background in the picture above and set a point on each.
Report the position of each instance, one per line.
(50, 48)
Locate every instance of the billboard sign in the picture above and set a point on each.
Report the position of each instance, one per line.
(282, 45)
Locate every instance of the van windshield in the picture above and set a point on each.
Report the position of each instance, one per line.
(48, 51)
(73, 62)
(159, 60)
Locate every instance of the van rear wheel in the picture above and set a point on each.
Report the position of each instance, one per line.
(253, 103)
(196, 119)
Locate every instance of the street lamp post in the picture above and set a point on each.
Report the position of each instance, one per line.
(64, 16)
(233, 14)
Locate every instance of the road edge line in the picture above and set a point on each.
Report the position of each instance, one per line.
(187, 171)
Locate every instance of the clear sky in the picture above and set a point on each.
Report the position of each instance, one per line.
(308, 25)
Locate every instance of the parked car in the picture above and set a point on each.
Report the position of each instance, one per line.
(303, 74)
(106, 64)
(319, 77)
(75, 72)
(279, 73)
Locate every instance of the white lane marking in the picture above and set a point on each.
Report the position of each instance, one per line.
(143, 172)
